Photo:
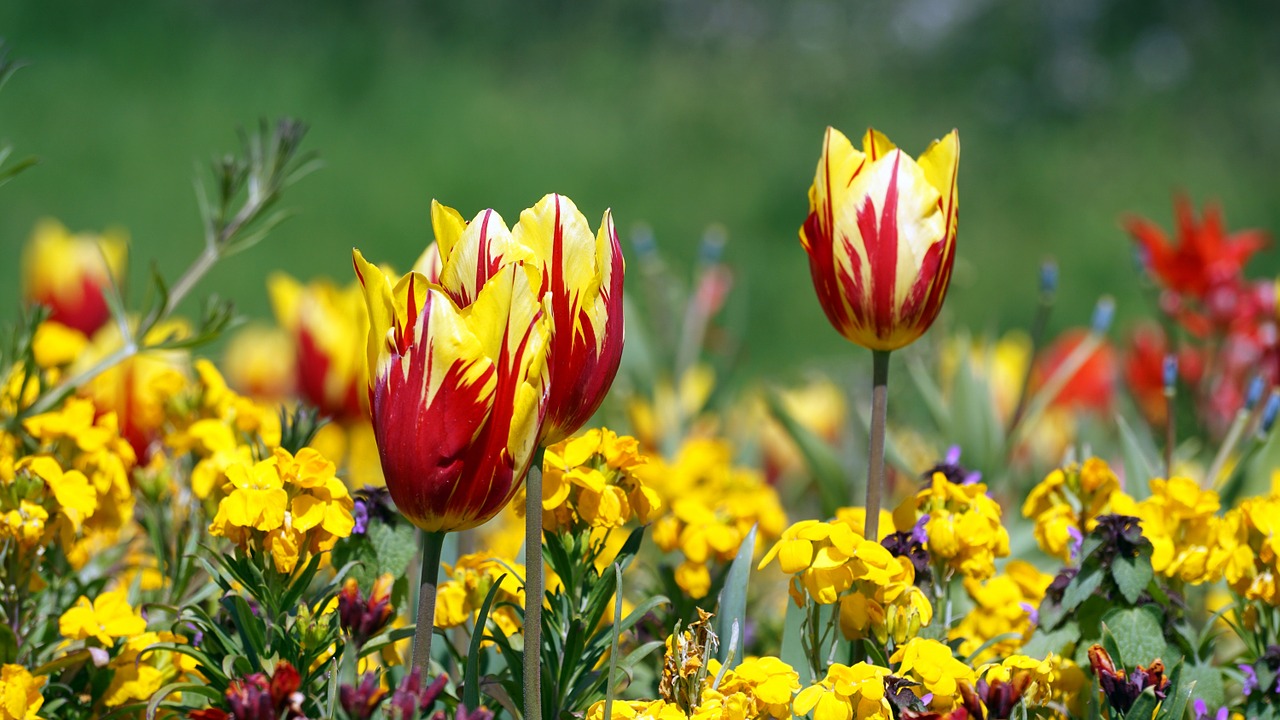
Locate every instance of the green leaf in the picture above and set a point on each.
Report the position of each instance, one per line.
(8, 645)
(1209, 684)
(793, 652)
(1144, 707)
(827, 472)
(1055, 641)
(1180, 689)
(1132, 575)
(1081, 587)
(184, 687)
(733, 598)
(471, 680)
(394, 547)
(1139, 636)
(1139, 465)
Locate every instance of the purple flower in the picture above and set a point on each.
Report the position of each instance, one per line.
(1033, 614)
(1250, 679)
(1077, 541)
(361, 514)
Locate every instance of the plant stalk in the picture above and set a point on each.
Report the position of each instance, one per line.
(533, 589)
(429, 578)
(875, 453)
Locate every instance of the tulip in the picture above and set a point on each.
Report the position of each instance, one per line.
(881, 236)
(457, 386)
(328, 327)
(68, 273)
(582, 272)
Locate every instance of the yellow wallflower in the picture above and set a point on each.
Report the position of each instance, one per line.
(766, 684)
(590, 481)
(20, 693)
(1066, 504)
(963, 526)
(847, 692)
(1249, 544)
(56, 345)
(709, 505)
(468, 583)
(638, 710)
(1181, 522)
(1002, 605)
(932, 664)
(107, 617)
(289, 506)
(1035, 676)
(139, 674)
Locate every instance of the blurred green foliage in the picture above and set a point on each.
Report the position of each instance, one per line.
(675, 113)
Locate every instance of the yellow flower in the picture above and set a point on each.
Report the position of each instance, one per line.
(329, 327)
(468, 583)
(108, 616)
(20, 693)
(847, 693)
(56, 345)
(259, 362)
(25, 524)
(289, 506)
(1002, 606)
(1066, 504)
(766, 683)
(1036, 676)
(590, 481)
(964, 527)
(638, 710)
(932, 664)
(76, 497)
(1181, 522)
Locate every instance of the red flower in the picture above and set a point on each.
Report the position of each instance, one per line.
(1204, 256)
(1093, 386)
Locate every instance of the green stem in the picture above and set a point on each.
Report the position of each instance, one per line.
(875, 453)
(533, 589)
(427, 581)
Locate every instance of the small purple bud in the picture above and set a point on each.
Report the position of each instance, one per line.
(1033, 614)
(1077, 541)
(1250, 679)
(361, 514)
(953, 455)
(918, 533)
(1200, 709)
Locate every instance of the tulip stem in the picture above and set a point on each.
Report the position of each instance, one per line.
(875, 453)
(432, 542)
(533, 589)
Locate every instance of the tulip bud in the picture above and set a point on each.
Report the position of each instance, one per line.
(582, 275)
(457, 380)
(68, 273)
(881, 236)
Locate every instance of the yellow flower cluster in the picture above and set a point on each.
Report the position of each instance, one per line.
(218, 426)
(936, 670)
(20, 693)
(1039, 678)
(963, 526)
(710, 506)
(830, 562)
(468, 583)
(75, 484)
(1002, 605)
(1249, 540)
(285, 505)
(138, 673)
(1066, 504)
(591, 481)
(759, 688)
(1182, 523)
(847, 691)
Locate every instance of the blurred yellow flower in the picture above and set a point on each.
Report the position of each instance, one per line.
(1003, 605)
(1181, 521)
(68, 273)
(468, 582)
(20, 693)
(107, 617)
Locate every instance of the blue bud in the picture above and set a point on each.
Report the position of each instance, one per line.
(1170, 370)
(1103, 313)
(642, 239)
(1048, 277)
(1254, 394)
(713, 242)
(1270, 411)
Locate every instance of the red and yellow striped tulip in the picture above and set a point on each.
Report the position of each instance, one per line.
(329, 325)
(582, 274)
(458, 377)
(881, 236)
(68, 272)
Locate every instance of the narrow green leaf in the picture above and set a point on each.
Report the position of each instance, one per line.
(1144, 707)
(1139, 465)
(733, 596)
(824, 467)
(471, 680)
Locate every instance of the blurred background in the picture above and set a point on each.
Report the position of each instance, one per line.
(678, 114)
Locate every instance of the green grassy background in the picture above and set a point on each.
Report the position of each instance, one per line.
(675, 113)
